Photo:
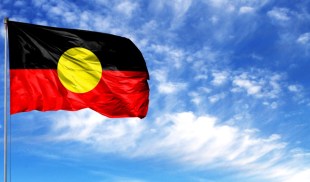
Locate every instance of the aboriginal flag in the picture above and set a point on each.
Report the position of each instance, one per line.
(68, 69)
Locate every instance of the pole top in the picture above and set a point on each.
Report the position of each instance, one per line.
(6, 19)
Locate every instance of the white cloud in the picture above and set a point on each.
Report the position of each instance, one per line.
(246, 10)
(275, 87)
(176, 9)
(127, 8)
(171, 87)
(298, 93)
(203, 56)
(272, 105)
(260, 84)
(294, 88)
(219, 78)
(92, 129)
(165, 86)
(251, 87)
(62, 11)
(304, 38)
(201, 77)
(65, 12)
(215, 98)
(300, 176)
(195, 97)
(180, 8)
(57, 10)
(159, 75)
(231, 6)
(208, 142)
(171, 54)
(202, 60)
(279, 14)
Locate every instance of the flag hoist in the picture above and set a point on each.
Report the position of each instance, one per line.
(53, 68)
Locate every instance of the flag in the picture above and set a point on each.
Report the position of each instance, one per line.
(68, 69)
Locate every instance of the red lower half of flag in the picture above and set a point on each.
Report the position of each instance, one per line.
(118, 93)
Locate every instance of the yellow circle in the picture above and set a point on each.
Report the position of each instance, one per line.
(79, 70)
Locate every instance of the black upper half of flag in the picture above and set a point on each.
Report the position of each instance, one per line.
(40, 47)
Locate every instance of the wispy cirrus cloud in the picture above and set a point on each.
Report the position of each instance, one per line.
(279, 14)
(127, 8)
(258, 85)
(304, 38)
(219, 78)
(165, 86)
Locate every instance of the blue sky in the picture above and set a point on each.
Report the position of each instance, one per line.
(230, 100)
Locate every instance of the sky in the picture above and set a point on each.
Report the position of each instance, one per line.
(229, 95)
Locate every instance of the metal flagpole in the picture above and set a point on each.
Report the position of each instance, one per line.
(5, 127)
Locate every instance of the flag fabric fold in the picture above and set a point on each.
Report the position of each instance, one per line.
(68, 69)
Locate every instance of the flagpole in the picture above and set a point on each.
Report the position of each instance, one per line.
(5, 127)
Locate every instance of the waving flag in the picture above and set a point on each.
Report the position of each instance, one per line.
(67, 69)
